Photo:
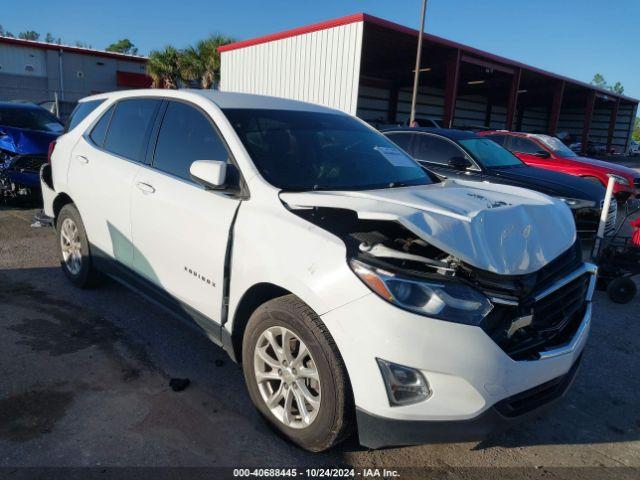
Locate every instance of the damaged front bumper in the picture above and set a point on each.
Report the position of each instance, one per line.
(477, 387)
(378, 432)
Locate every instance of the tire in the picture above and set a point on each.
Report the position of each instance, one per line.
(79, 268)
(622, 290)
(333, 419)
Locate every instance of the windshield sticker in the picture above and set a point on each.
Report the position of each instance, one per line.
(395, 157)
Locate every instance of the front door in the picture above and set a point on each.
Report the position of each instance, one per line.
(180, 229)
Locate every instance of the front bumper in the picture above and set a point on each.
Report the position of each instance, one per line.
(378, 432)
(471, 378)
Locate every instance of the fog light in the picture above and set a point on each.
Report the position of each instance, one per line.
(404, 385)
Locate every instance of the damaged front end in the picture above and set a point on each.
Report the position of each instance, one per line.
(525, 313)
(19, 175)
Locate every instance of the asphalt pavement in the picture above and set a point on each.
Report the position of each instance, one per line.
(84, 381)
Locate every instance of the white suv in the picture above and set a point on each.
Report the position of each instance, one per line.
(354, 288)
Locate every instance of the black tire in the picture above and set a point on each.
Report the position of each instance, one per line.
(334, 419)
(87, 276)
(622, 290)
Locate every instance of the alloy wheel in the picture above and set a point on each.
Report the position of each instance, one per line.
(71, 246)
(287, 377)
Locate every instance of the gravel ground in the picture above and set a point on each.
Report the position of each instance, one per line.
(85, 383)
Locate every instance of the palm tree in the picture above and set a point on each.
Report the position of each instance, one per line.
(202, 61)
(163, 67)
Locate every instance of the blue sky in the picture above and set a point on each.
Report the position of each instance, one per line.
(576, 38)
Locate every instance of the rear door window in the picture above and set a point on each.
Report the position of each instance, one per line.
(186, 135)
(130, 127)
(430, 148)
(524, 145)
(80, 113)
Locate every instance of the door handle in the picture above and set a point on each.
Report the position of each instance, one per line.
(145, 187)
(82, 159)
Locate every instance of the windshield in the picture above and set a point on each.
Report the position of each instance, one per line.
(488, 153)
(297, 150)
(30, 118)
(556, 146)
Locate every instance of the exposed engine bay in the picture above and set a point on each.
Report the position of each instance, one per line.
(509, 312)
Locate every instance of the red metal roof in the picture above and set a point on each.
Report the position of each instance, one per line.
(68, 48)
(364, 17)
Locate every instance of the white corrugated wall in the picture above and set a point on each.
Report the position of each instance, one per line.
(320, 67)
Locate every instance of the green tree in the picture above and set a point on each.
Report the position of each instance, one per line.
(123, 46)
(617, 88)
(636, 130)
(201, 62)
(29, 35)
(49, 38)
(599, 81)
(81, 44)
(163, 67)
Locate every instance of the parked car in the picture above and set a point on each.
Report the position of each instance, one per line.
(634, 149)
(26, 131)
(545, 151)
(464, 155)
(354, 290)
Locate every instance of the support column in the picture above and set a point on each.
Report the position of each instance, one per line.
(487, 113)
(512, 101)
(612, 123)
(451, 89)
(588, 114)
(393, 104)
(556, 108)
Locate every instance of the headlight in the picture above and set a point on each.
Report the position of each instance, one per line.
(619, 178)
(577, 203)
(443, 299)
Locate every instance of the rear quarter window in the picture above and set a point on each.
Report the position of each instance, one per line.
(82, 110)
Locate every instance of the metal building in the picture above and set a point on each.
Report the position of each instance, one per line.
(38, 71)
(364, 65)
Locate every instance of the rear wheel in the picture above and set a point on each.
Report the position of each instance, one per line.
(75, 256)
(295, 374)
(622, 290)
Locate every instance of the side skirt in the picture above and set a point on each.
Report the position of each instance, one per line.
(134, 281)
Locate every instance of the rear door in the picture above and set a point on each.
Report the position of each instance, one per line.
(103, 166)
(180, 229)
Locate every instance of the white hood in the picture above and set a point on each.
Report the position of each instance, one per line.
(502, 229)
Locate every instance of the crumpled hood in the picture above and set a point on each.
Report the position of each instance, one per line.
(502, 229)
(26, 142)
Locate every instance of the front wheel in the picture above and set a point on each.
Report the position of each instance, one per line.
(295, 375)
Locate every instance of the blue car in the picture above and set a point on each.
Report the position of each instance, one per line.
(26, 130)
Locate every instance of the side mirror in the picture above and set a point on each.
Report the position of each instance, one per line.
(210, 173)
(459, 163)
(542, 154)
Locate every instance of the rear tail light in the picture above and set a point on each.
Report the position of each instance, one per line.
(52, 145)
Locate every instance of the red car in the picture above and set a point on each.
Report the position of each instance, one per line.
(545, 151)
